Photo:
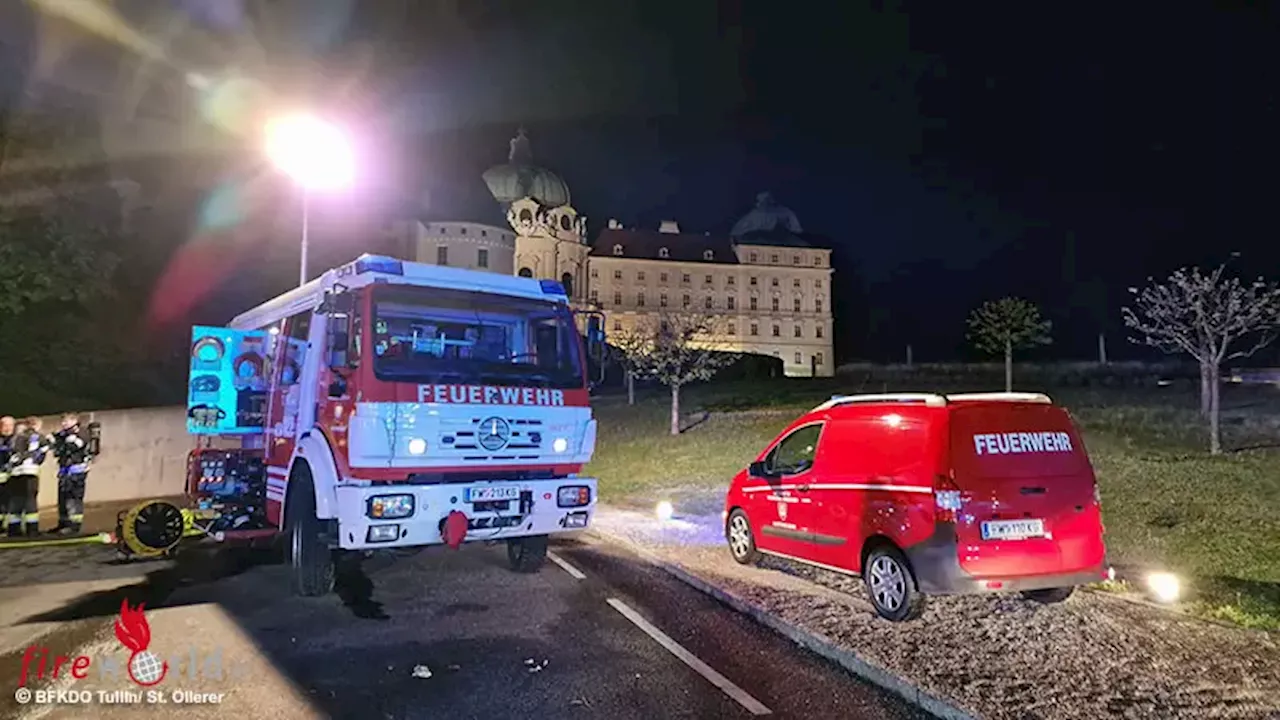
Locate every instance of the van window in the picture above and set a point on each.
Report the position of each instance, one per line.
(1009, 440)
(795, 453)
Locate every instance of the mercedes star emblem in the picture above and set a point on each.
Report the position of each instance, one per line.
(493, 433)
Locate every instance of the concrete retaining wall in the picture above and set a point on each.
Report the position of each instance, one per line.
(144, 455)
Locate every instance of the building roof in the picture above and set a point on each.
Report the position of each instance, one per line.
(648, 245)
(466, 201)
(781, 237)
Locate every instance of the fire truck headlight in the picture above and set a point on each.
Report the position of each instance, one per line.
(559, 445)
(573, 496)
(390, 507)
(417, 446)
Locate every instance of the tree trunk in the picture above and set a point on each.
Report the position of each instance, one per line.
(1008, 366)
(1215, 406)
(675, 409)
(1205, 391)
(631, 388)
(1102, 349)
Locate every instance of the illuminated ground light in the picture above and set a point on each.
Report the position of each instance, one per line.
(664, 511)
(1165, 587)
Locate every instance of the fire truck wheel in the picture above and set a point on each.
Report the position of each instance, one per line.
(310, 559)
(527, 554)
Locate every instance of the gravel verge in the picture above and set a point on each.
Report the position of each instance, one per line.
(994, 656)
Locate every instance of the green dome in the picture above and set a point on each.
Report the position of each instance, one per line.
(520, 178)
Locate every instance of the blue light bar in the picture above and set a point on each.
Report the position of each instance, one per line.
(379, 263)
(552, 287)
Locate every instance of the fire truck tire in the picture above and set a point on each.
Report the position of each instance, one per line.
(311, 566)
(527, 554)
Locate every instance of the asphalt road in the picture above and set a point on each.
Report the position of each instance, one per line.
(446, 634)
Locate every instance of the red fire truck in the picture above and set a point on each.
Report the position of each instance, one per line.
(392, 404)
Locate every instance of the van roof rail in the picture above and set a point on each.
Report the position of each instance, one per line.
(1040, 398)
(930, 399)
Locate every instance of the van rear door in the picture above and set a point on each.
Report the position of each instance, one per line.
(1027, 489)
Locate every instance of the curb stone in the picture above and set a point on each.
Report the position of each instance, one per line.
(849, 660)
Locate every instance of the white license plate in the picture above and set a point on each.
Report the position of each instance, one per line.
(493, 494)
(1012, 529)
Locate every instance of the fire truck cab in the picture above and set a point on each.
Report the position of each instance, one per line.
(400, 405)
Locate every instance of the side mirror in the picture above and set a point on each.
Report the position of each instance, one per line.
(337, 301)
(758, 470)
(338, 387)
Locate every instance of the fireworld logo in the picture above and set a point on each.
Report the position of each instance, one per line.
(134, 633)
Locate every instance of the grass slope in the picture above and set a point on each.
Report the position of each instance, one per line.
(1166, 502)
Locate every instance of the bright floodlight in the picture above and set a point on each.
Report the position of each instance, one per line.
(312, 151)
(664, 511)
(1164, 586)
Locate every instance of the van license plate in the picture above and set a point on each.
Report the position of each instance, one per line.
(491, 494)
(1012, 529)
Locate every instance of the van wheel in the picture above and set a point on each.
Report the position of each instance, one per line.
(311, 567)
(890, 585)
(742, 543)
(526, 555)
(1049, 596)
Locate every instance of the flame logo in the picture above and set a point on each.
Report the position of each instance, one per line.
(134, 633)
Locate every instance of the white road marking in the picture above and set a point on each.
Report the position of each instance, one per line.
(575, 572)
(753, 706)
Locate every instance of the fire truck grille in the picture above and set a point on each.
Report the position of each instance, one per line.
(523, 435)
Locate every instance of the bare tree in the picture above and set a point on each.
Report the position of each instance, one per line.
(675, 348)
(1212, 318)
(1005, 325)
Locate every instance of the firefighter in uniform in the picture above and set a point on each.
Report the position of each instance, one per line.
(73, 451)
(7, 429)
(30, 447)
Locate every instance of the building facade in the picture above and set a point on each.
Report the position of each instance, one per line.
(766, 285)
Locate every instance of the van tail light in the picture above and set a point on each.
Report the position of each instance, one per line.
(946, 499)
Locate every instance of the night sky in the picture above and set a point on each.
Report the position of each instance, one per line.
(952, 155)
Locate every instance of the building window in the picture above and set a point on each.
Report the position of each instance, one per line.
(774, 258)
(777, 331)
(799, 331)
(708, 255)
(799, 359)
(817, 332)
(525, 272)
(617, 326)
(817, 261)
(567, 281)
(482, 258)
(484, 233)
(797, 305)
(617, 298)
(617, 249)
(775, 304)
(729, 302)
(595, 296)
(664, 253)
(686, 301)
(662, 277)
(774, 282)
(732, 329)
(707, 302)
(753, 304)
(640, 276)
(442, 255)
(817, 284)
(817, 305)
(640, 300)
(685, 278)
(753, 281)
(753, 257)
(817, 359)
(463, 231)
(795, 259)
(795, 283)
(617, 274)
(731, 280)
(662, 300)
(595, 272)
(755, 329)
(565, 223)
(708, 280)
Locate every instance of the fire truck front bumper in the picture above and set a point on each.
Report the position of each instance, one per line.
(391, 516)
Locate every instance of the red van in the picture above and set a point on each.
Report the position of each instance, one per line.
(925, 495)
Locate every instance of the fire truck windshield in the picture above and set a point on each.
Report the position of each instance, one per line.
(431, 335)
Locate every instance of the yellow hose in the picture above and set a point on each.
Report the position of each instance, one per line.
(99, 539)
